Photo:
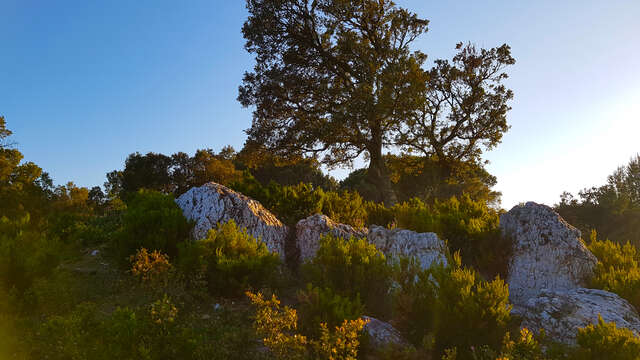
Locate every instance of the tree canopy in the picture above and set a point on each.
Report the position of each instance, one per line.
(612, 209)
(339, 79)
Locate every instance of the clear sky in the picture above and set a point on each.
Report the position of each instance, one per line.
(85, 83)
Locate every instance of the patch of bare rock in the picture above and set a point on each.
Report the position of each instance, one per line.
(547, 252)
(548, 272)
(561, 313)
(213, 203)
(310, 230)
(427, 248)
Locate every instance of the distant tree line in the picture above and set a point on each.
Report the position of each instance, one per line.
(612, 209)
(411, 176)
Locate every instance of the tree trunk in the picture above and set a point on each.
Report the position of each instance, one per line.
(378, 178)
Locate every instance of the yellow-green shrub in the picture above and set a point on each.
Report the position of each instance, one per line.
(230, 259)
(617, 269)
(607, 341)
(153, 221)
(345, 207)
(278, 327)
(26, 253)
(449, 305)
(352, 268)
(322, 305)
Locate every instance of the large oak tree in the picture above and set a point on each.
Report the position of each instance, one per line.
(338, 79)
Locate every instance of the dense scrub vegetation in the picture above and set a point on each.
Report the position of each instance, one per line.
(88, 275)
(617, 270)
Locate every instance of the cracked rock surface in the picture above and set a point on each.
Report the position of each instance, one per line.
(547, 252)
(213, 203)
(560, 313)
(382, 334)
(427, 248)
(310, 230)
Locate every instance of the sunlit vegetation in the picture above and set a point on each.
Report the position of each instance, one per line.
(113, 272)
(612, 209)
(617, 270)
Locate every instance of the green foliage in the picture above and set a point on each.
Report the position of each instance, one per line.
(318, 305)
(525, 347)
(352, 268)
(155, 331)
(278, 327)
(429, 180)
(368, 87)
(296, 202)
(446, 306)
(613, 209)
(469, 226)
(617, 269)
(230, 259)
(25, 253)
(607, 341)
(345, 207)
(152, 221)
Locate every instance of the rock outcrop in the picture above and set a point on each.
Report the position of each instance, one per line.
(547, 253)
(213, 203)
(310, 230)
(561, 313)
(427, 248)
(382, 334)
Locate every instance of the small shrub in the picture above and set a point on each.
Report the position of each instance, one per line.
(617, 269)
(151, 268)
(352, 268)
(345, 207)
(525, 347)
(340, 344)
(319, 305)
(289, 203)
(450, 305)
(607, 341)
(378, 214)
(152, 221)
(230, 259)
(278, 327)
(470, 227)
(26, 253)
(163, 311)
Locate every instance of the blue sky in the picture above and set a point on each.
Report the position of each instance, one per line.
(85, 83)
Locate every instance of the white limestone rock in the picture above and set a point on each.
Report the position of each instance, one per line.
(427, 248)
(560, 313)
(310, 230)
(382, 334)
(213, 203)
(547, 252)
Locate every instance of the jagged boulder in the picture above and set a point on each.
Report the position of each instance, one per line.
(547, 252)
(310, 230)
(213, 203)
(427, 248)
(382, 334)
(560, 313)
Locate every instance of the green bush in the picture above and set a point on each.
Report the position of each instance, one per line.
(293, 203)
(617, 269)
(153, 221)
(317, 305)
(25, 253)
(607, 341)
(470, 227)
(230, 260)
(352, 268)
(451, 307)
(345, 207)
